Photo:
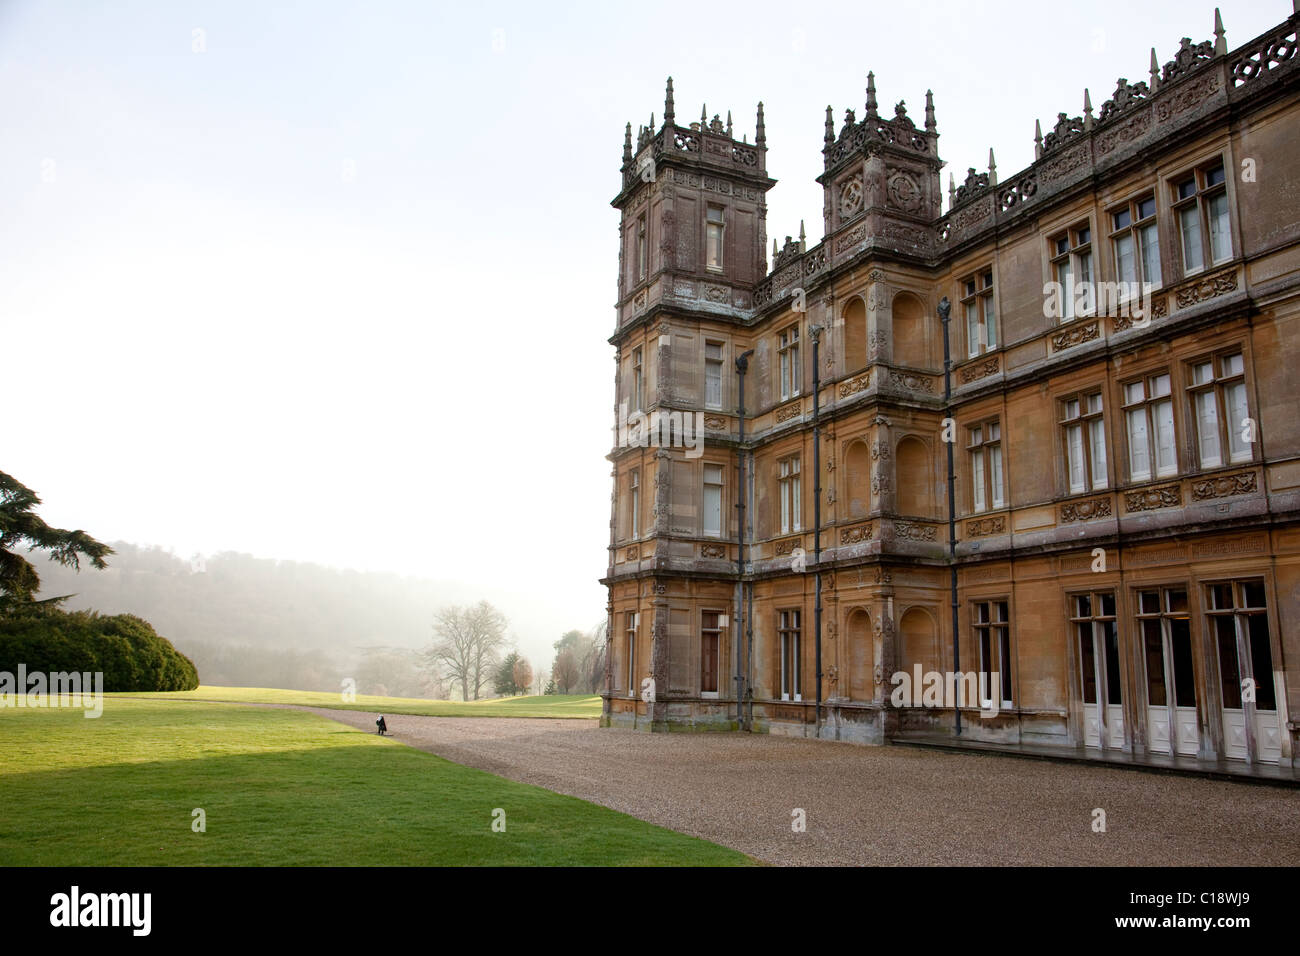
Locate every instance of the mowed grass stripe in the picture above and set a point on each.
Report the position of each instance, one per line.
(551, 705)
(284, 788)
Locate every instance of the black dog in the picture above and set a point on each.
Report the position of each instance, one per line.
(383, 727)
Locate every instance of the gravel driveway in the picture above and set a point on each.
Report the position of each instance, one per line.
(872, 805)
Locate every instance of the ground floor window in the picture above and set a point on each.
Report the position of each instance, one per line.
(631, 622)
(993, 636)
(788, 630)
(710, 641)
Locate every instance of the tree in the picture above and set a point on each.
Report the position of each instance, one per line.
(468, 644)
(504, 680)
(20, 526)
(565, 672)
(523, 674)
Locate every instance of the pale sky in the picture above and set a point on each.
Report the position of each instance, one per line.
(337, 288)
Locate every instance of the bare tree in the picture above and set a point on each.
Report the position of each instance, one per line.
(467, 645)
(593, 660)
(566, 671)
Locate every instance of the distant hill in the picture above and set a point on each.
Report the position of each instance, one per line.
(249, 621)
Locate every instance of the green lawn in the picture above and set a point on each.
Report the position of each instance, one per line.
(283, 787)
(553, 705)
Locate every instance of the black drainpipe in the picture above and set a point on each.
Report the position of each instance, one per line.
(816, 333)
(945, 310)
(742, 365)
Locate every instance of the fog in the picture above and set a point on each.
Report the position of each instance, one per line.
(256, 622)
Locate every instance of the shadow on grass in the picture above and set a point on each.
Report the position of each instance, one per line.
(365, 803)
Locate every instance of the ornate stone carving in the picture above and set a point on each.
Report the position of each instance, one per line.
(879, 450)
(788, 545)
(851, 197)
(916, 383)
(978, 370)
(1224, 486)
(1206, 288)
(1126, 96)
(1187, 58)
(855, 534)
(632, 553)
(1187, 97)
(1069, 161)
(1085, 510)
(982, 527)
(715, 423)
(713, 551)
(857, 383)
(850, 239)
(1066, 129)
(1272, 51)
(876, 342)
(880, 483)
(884, 575)
(1125, 132)
(1149, 499)
(787, 412)
(911, 531)
(1075, 336)
(904, 192)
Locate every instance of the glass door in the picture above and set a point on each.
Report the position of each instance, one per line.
(1238, 617)
(1097, 640)
(1170, 680)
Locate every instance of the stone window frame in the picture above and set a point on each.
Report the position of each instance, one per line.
(995, 499)
(1133, 229)
(1204, 189)
(721, 362)
(721, 485)
(721, 223)
(1070, 247)
(789, 492)
(973, 291)
(1147, 403)
(1218, 384)
(789, 367)
(984, 625)
(631, 624)
(789, 622)
(1090, 422)
(718, 629)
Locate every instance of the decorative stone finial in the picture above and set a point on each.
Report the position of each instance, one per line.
(729, 136)
(704, 116)
(952, 191)
(993, 169)
(871, 96)
(760, 131)
(1155, 68)
(1087, 110)
(627, 145)
(929, 111)
(803, 239)
(1038, 139)
(669, 114)
(1220, 40)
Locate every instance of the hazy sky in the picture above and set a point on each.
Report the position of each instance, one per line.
(333, 281)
